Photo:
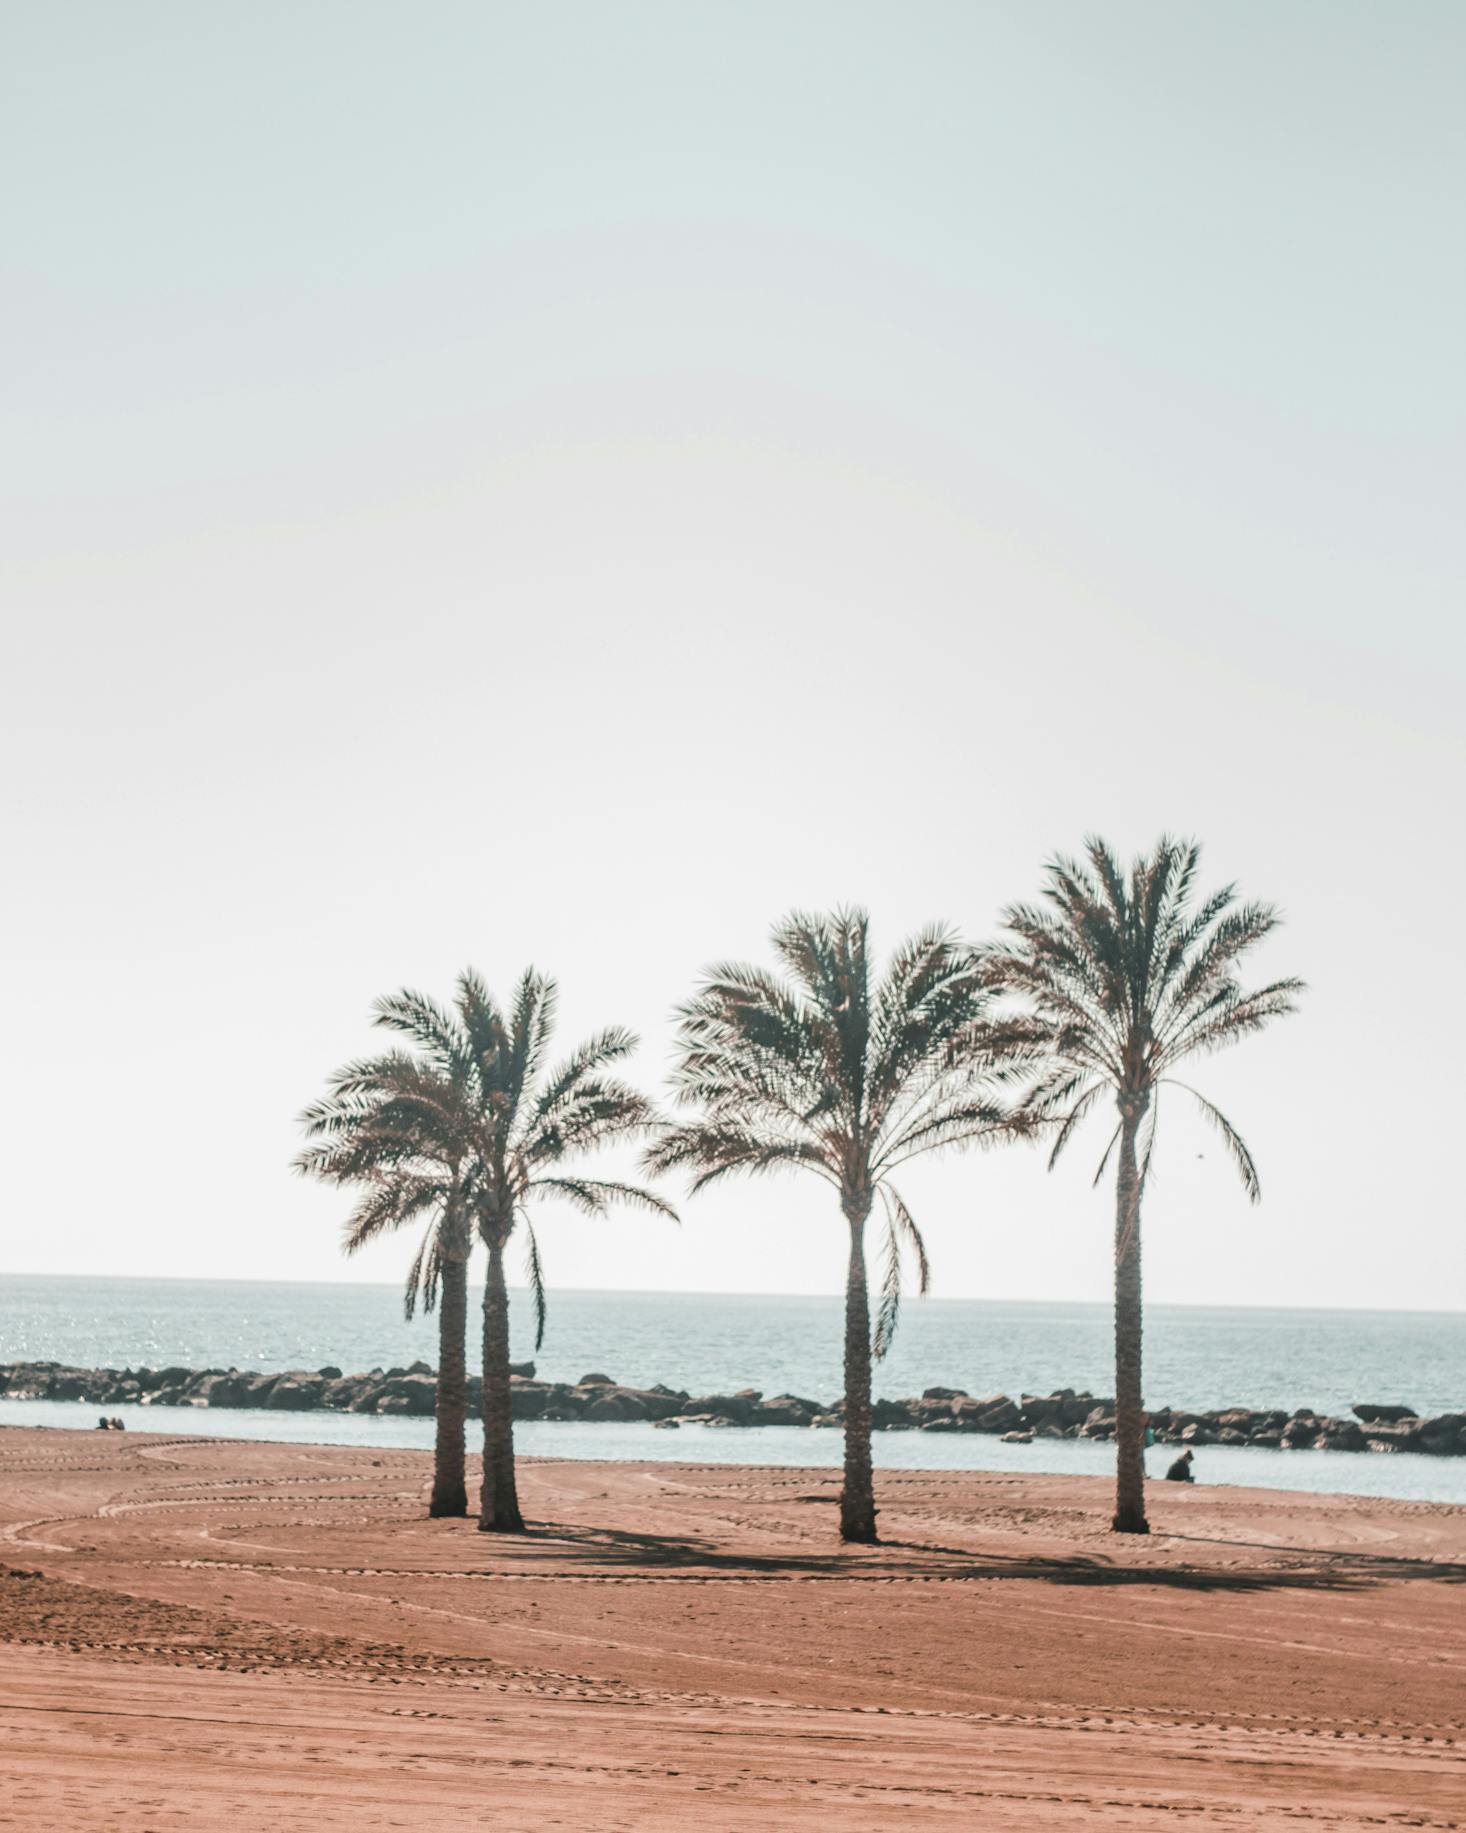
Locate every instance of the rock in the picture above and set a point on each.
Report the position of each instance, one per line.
(1444, 1436)
(617, 1403)
(330, 1372)
(1002, 1416)
(223, 1391)
(945, 1393)
(1229, 1435)
(419, 1392)
(1373, 1415)
(296, 1393)
(786, 1410)
(595, 1381)
(525, 1370)
(1401, 1435)
(728, 1406)
(1016, 1438)
(528, 1399)
(939, 1422)
(666, 1425)
(1200, 1432)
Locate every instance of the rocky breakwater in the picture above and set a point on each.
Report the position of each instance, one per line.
(412, 1390)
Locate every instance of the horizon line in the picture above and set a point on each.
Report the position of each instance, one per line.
(385, 1285)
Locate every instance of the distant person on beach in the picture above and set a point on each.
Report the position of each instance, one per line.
(118, 1425)
(104, 1424)
(1180, 1471)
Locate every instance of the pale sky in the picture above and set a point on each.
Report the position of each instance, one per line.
(566, 483)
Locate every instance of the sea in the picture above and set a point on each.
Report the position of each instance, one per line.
(1196, 1357)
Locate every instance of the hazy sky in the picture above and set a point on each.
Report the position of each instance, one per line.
(566, 483)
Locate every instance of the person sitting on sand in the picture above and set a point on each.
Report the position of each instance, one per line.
(104, 1424)
(118, 1425)
(1180, 1471)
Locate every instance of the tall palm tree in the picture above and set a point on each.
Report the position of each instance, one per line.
(849, 1080)
(528, 1120)
(1124, 978)
(398, 1127)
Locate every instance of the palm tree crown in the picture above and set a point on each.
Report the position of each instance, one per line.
(469, 1127)
(527, 1119)
(848, 1078)
(1126, 977)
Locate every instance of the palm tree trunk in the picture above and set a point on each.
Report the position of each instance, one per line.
(450, 1491)
(857, 1498)
(499, 1500)
(1129, 1386)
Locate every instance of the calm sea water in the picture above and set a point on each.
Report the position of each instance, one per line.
(1197, 1357)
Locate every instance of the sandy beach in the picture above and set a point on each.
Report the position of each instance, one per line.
(203, 1633)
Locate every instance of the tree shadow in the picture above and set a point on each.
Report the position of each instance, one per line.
(671, 1556)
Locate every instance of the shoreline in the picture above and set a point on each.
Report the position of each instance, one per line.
(1407, 1480)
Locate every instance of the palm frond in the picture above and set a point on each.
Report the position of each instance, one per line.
(901, 1230)
(716, 1149)
(1235, 1143)
(595, 1196)
(1108, 1153)
(1083, 1101)
(535, 1273)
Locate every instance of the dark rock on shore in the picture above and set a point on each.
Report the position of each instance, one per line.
(411, 1391)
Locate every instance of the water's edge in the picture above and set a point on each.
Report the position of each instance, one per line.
(1402, 1481)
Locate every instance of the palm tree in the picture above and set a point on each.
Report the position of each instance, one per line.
(527, 1121)
(399, 1127)
(848, 1080)
(1124, 978)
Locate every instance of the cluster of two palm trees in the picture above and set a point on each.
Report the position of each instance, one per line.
(1102, 988)
(467, 1129)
